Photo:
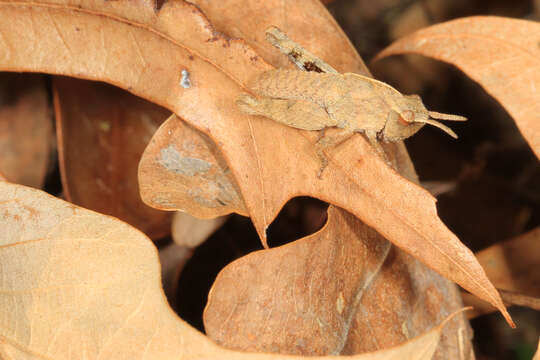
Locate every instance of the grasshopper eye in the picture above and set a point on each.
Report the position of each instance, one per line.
(406, 117)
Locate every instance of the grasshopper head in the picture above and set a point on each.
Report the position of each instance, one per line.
(404, 123)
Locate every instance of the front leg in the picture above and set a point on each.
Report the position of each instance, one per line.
(372, 138)
(326, 141)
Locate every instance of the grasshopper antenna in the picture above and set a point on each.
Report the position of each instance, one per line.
(449, 117)
(444, 128)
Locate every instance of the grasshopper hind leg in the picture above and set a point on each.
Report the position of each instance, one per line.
(299, 114)
(302, 58)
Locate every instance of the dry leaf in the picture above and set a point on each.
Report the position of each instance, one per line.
(247, 20)
(77, 284)
(26, 134)
(173, 258)
(102, 133)
(480, 307)
(182, 169)
(343, 290)
(501, 54)
(187, 233)
(511, 264)
(328, 42)
(190, 69)
(190, 232)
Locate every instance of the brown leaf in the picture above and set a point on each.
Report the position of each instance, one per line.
(77, 284)
(328, 43)
(187, 233)
(102, 133)
(173, 258)
(511, 265)
(343, 290)
(501, 54)
(190, 232)
(190, 69)
(26, 135)
(182, 169)
(248, 20)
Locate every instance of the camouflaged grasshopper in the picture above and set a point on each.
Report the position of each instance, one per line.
(319, 97)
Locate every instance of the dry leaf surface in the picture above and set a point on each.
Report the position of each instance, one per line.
(77, 284)
(182, 169)
(102, 133)
(187, 233)
(190, 232)
(26, 134)
(149, 54)
(513, 264)
(501, 54)
(343, 290)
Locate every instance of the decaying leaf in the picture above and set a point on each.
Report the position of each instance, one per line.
(187, 233)
(182, 169)
(26, 134)
(511, 264)
(193, 71)
(344, 290)
(78, 284)
(173, 258)
(247, 20)
(501, 54)
(102, 133)
(190, 232)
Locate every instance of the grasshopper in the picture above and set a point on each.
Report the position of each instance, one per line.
(318, 97)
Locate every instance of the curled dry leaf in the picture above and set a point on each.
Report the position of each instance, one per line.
(190, 232)
(173, 258)
(102, 133)
(26, 134)
(182, 169)
(512, 265)
(190, 69)
(248, 20)
(230, 17)
(343, 290)
(187, 233)
(501, 54)
(99, 294)
(329, 43)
